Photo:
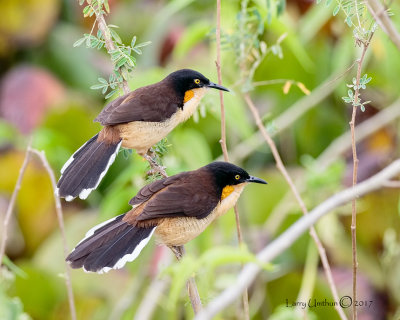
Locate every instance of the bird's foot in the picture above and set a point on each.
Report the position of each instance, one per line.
(179, 251)
(155, 167)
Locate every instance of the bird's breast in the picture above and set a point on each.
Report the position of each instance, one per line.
(142, 135)
(180, 230)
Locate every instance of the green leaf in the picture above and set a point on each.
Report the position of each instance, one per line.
(133, 41)
(143, 44)
(78, 42)
(115, 54)
(106, 6)
(97, 86)
(81, 2)
(111, 93)
(280, 7)
(138, 51)
(336, 10)
(121, 62)
(102, 80)
(86, 10)
(348, 21)
(350, 93)
(115, 35)
(94, 42)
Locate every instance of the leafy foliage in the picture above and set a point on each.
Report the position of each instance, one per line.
(122, 56)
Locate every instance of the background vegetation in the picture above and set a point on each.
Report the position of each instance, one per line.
(295, 48)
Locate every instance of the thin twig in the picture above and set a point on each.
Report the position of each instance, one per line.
(223, 141)
(11, 205)
(282, 169)
(364, 130)
(382, 18)
(46, 165)
(355, 168)
(290, 115)
(287, 238)
(195, 300)
(221, 96)
(105, 31)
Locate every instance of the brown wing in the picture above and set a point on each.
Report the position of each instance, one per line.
(153, 103)
(148, 191)
(189, 194)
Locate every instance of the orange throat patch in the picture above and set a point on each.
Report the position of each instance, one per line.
(226, 192)
(188, 95)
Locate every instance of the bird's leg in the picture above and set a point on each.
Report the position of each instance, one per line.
(155, 167)
(179, 251)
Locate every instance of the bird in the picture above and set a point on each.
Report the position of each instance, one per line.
(137, 120)
(175, 209)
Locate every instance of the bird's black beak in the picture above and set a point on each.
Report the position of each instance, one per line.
(256, 180)
(216, 86)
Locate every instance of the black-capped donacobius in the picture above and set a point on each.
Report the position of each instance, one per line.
(137, 120)
(175, 209)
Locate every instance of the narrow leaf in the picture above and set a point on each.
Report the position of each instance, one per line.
(106, 6)
(115, 35)
(97, 86)
(350, 93)
(336, 10)
(143, 44)
(121, 62)
(110, 94)
(133, 41)
(78, 42)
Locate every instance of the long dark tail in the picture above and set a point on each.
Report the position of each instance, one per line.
(109, 245)
(83, 172)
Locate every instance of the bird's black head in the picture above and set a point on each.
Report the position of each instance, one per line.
(228, 174)
(187, 79)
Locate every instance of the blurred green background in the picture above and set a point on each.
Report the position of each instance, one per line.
(44, 93)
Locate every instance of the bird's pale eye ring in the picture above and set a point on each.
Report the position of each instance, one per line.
(237, 177)
(197, 81)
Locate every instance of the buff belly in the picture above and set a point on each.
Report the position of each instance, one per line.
(178, 231)
(142, 135)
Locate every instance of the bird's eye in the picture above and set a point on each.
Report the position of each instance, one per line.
(237, 177)
(197, 81)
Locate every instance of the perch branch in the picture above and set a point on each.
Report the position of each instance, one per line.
(332, 153)
(364, 129)
(223, 141)
(110, 46)
(282, 169)
(46, 165)
(109, 43)
(355, 168)
(382, 18)
(11, 205)
(287, 238)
